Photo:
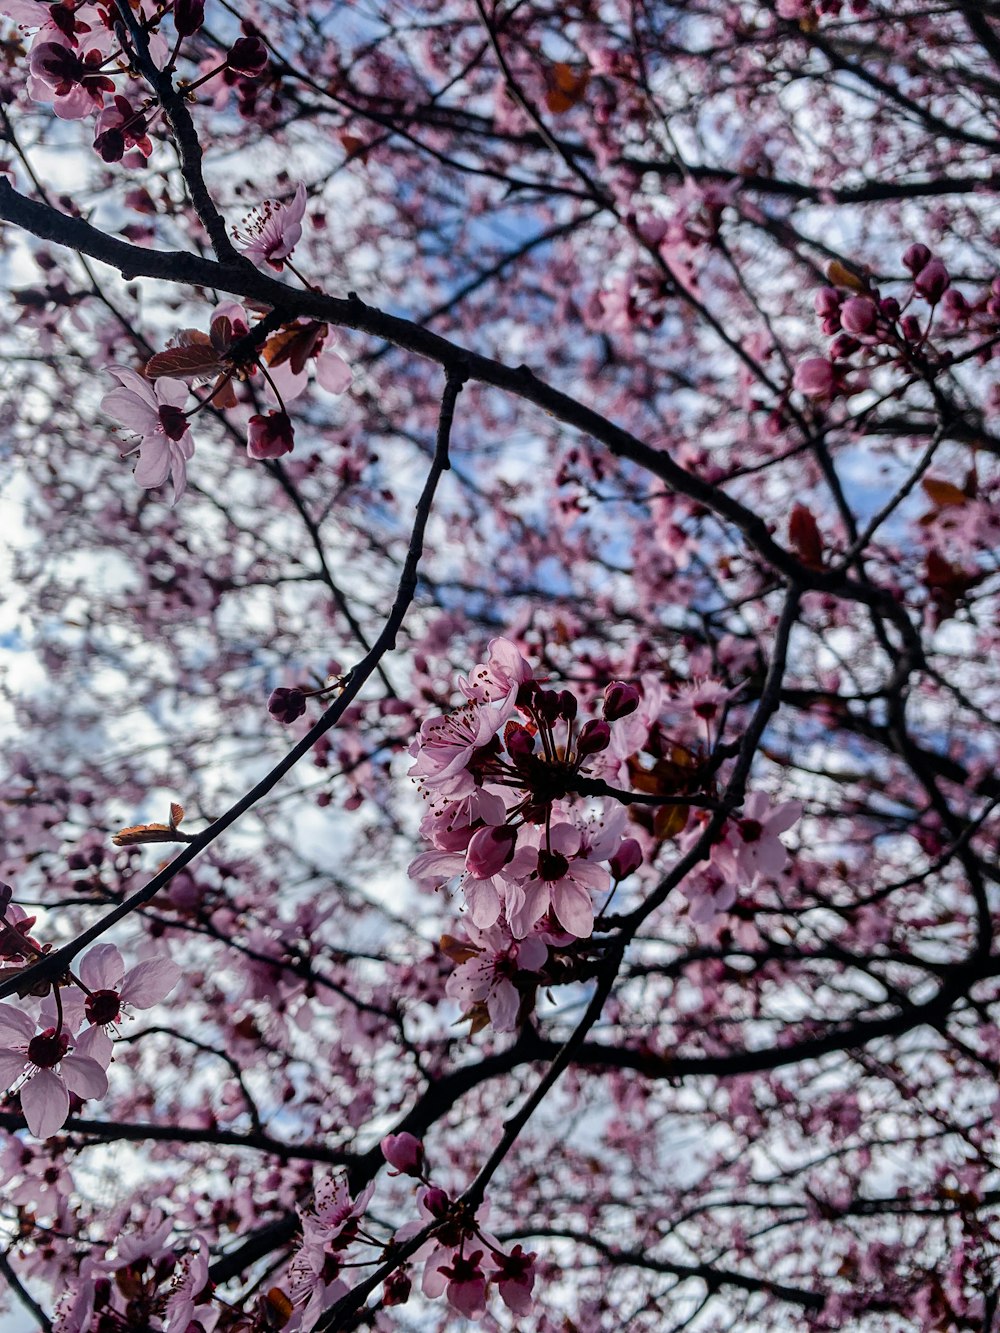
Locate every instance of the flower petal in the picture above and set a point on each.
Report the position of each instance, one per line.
(15, 1025)
(45, 1103)
(154, 462)
(102, 968)
(148, 983)
(83, 1075)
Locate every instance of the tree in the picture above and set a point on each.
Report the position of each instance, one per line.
(523, 478)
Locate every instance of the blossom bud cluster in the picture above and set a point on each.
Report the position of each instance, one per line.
(503, 776)
(865, 325)
(521, 813)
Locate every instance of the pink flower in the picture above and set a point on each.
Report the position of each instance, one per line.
(50, 1073)
(102, 971)
(499, 676)
(515, 1278)
(446, 744)
(273, 232)
(154, 411)
(333, 1221)
(460, 1277)
(488, 975)
(561, 876)
(74, 83)
(270, 436)
(752, 844)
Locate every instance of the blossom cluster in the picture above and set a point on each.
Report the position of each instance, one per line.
(59, 1045)
(864, 324)
(521, 814)
(153, 405)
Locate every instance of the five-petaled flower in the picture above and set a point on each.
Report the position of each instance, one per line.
(273, 231)
(153, 410)
(45, 1070)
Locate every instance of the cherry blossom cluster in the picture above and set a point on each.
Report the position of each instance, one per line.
(55, 1049)
(868, 328)
(153, 405)
(78, 59)
(510, 780)
(147, 1280)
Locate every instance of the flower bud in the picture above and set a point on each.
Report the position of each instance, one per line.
(859, 315)
(815, 377)
(436, 1201)
(189, 15)
(620, 699)
(827, 302)
(286, 705)
(932, 281)
(247, 55)
(396, 1288)
(916, 257)
(519, 741)
(405, 1153)
(626, 860)
(594, 737)
(489, 850)
(270, 436)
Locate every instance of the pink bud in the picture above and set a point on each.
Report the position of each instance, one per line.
(827, 302)
(910, 328)
(270, 436)
(955, 306)
(286, 705)
(626, 860)
(620, 699)
(932, 281)
(489, 850)
(396, 1289)
(815, 377)
(404, 1152)
(916, 257)
(436, 1201)
(594, 737)
(519, 741)
(859, 315)
(247, 55)
(843, 346)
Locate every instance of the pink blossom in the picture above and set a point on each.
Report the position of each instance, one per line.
(515, 1278)
(75, 83)
(559, 876)
(113, 990)
(488, 976)
(270, 436)
(51, 1073)
(272, 232)
(447, 743)
(752, 845)
(154, 411)
(499, 676)
(460, 1278)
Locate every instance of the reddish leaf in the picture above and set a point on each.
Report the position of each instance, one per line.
(943, 493)
(804, 536)
(566, 87)
(193, 358)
